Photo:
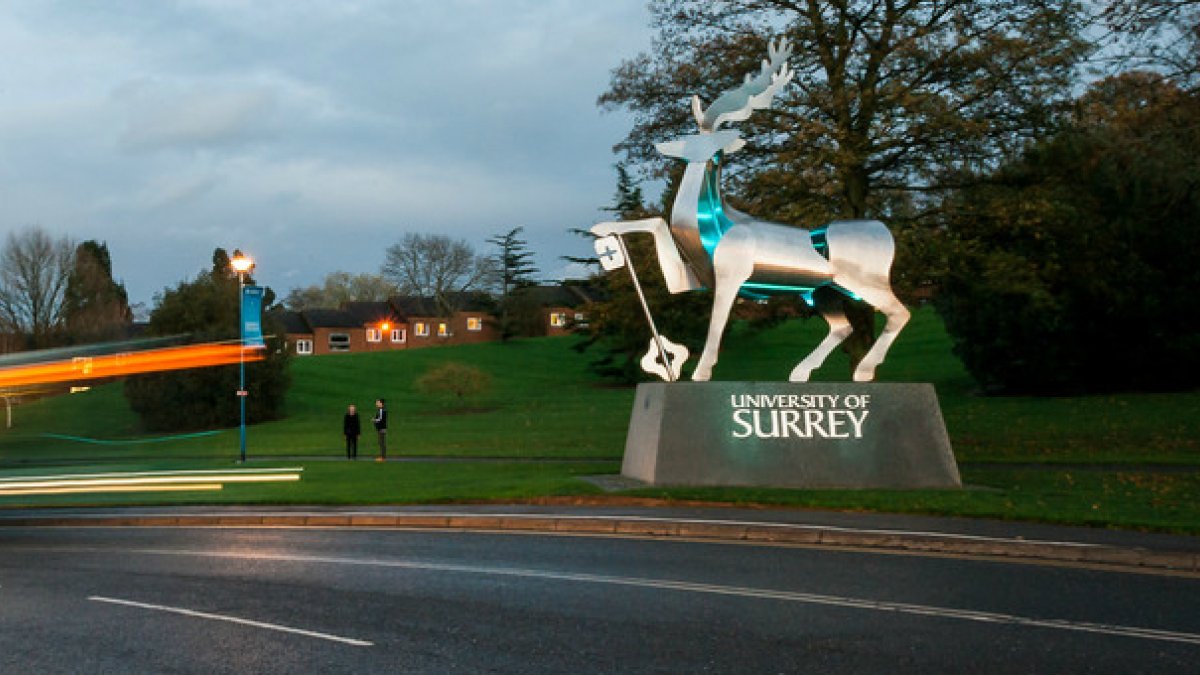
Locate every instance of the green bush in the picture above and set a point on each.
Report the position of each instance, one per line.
(454, 382)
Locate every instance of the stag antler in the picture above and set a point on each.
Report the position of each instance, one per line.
(755, 93)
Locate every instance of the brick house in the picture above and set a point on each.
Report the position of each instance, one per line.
(401, 322)
(296, 333)
(332, 331)
(561, 306)
(471, 322)
(384, 328)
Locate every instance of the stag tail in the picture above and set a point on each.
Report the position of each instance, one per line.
(755, 93)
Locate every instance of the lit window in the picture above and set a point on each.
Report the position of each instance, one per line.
(558, 319)
(474, 323)
(579, 317)
(443, 329)
(398, 335)
(339, 342)
(374, 335)
(421, 329)
(304, 346)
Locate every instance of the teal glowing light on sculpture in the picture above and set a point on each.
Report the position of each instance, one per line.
(710, 212)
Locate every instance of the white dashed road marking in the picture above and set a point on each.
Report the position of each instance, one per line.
(232, 619)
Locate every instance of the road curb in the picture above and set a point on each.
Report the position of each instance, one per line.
(1015, 549)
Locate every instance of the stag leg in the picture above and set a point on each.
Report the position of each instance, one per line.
(733, 262)
(830, 307)
(677, 274)
(897, 316)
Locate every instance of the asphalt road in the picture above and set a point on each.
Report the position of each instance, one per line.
(214, 600)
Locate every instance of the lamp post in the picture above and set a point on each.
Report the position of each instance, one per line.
(242, 264)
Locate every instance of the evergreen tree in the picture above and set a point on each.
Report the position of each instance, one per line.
(617, 323)
(514, 270)
(95, 307)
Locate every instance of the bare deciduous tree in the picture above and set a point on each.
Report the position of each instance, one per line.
(436, 266)
(340, 288)
(34, 268)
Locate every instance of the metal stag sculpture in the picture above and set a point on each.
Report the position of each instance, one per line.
(709, 244)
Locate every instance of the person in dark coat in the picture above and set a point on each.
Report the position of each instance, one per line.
(351, 428)
(381, 428)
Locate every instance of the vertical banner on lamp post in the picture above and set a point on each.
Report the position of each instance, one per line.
(252, 316)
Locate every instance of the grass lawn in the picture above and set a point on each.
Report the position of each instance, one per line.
(1091, 459)
(347, 483)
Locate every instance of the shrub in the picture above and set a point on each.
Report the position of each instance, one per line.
(454, 382)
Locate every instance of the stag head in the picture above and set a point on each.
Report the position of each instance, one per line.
(701, 147)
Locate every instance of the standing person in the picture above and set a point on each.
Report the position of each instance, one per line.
(351, 429)
(381, 428)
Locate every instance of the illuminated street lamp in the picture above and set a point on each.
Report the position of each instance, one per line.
(242, 264)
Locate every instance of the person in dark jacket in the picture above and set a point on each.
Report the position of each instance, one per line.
(351, 429)
(381, 428)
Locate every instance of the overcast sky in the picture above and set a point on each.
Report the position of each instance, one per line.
(310, 134)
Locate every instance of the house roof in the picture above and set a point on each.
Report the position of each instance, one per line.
(589, 290)
(293, 323)
(560, 295)
(412, 305)
(371, 312)
(331, 318)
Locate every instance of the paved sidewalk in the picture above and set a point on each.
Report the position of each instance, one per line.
(988, 539)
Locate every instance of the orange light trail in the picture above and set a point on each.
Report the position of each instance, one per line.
(129, 363)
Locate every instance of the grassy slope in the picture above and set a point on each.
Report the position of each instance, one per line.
(544, 404)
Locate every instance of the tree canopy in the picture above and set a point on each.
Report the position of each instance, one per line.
(514, 270)
(1159, 34)
(338, 288)
(889, 98)
(95, 306)
(436, 266)
(1071, 267)
(206, 310)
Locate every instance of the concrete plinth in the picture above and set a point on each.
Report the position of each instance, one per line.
(846, 435)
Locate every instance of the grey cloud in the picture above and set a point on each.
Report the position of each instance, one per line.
(163, 116)
(312, 134)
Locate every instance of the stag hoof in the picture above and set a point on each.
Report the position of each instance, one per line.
(800, 374)
(702, 373)
(864, 374)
